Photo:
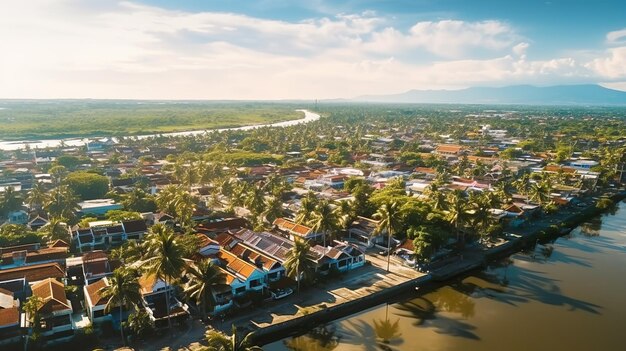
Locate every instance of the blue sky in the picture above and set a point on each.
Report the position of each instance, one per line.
(271, 49)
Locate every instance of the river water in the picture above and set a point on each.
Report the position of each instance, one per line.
(569, 295)
(53, 143)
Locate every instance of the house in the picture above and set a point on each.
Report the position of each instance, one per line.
(32, 254)
(253, 278)
(155, 300)
(98, 207)
(95, 266)
(269, 244)
(17, 217)
(219, 225)
(274, 271)
(294, 230)
(364, 231)
(134, 229)
(207, 246)
(449, 150)
(342, 257)
(95, 303)
(33, 273)
(10, 330)
(55, 311)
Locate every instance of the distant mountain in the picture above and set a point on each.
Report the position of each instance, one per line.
(586, 94)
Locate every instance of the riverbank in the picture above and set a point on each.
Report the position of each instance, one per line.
(541, 230)
(11, 145)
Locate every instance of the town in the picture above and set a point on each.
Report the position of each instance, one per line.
(126, 240)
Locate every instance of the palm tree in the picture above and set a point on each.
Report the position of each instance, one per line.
(56, 229)
(10, 200)
(298, 263)
(37, 196)
(389, 220)
(218, 341)
(122, 292)
(62, 202)
(456, 211)
(324, 220)
(385, 329)
(203, 277)
(307, 206)
(273, 209)
(255, 200)
(164, 258)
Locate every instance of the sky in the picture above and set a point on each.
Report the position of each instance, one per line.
(303, 49)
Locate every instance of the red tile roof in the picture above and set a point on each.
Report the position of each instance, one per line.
(9, 317)
(33, 273)
(52, 293)
(291, 227)
(94, 291)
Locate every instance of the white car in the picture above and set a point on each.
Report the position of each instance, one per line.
(278, 294)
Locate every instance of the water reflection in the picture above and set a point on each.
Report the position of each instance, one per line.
(567, 294)
(322, 338)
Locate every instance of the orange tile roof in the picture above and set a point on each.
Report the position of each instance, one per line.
(52, 293)
(236, 264)
(244, 251)
(9, 316)
(292, 227)
(95, 293)
(147, 282)
(449, 148)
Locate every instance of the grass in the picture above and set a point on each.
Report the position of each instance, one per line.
(44, 119)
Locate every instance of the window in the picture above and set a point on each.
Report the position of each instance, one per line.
(240, 290)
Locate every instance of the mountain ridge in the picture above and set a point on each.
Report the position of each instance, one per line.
(580, 94)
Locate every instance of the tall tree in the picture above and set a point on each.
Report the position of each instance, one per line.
(324, 220)
(389, 217)
(164, 258)
(122, 292)
(37, 196)
(56, 229)
(457, 211)
(62, 203)
(298, 262)
(307, 207)
(203, 278)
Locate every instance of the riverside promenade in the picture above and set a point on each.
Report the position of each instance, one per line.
(371, 285)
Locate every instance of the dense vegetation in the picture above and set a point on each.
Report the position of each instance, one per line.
(84, 118)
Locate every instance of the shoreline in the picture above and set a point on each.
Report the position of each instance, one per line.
(42, 143)
(300, 324)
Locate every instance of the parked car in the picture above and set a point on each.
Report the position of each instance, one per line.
(278, 294)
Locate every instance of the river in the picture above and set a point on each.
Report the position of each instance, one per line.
(569, 295)
(52, 143)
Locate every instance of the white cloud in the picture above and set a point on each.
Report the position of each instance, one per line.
(616, 37)
(612, 66)
(120, 49)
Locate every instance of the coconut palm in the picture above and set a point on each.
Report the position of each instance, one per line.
(122, 292)
(37, 196)
(324, 220)
(56, 229)
(255, 200)
(298, 263)
(457, 211)
(389, 220)
(218, 341)
(307, 206)
(62, 202)
(203, 277)
(273, 209)
(10, 200)
(164, 258)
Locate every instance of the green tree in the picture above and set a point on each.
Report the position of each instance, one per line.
(56, 229)
(307, 207)
(139, 323)
(37, 196)
(62, 203)
(164, 258)
(10, 201)
(298, 263)
(203, 278)
(121, 215)
(122, 292)
(324, 220)
(389, 220)
(87, 185)
(456, 213)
